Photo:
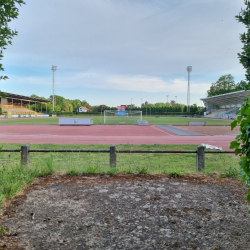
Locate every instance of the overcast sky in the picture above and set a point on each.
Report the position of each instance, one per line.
(109, 51)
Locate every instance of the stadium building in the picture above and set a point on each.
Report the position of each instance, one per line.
(16, 105)
(225, 106)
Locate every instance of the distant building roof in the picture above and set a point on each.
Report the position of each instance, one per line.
(228, 98)
(84, 108)
(22, 97)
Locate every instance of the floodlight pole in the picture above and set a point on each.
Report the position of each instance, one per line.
(167, 104)
(54, 68)
(176, 99)
(189, 69)
(141, 102)
(131, 104)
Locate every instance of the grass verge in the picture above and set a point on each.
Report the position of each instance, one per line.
(13, 176)
(98, 120)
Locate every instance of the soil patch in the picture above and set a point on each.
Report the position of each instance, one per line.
(128, 212)
(212, 130)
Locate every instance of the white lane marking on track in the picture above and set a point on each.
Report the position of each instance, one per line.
(162, 130)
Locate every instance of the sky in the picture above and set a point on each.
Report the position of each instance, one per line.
(115, 52)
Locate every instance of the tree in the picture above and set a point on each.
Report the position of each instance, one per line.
(102, 107)
(172, 103)
(244, 56)
(76, 104)
(66, 104)
(8, 12)
(242, 85)
(160, 105)
(242, 141)
(58, 108)
(34, 96)
(225, 84)
(86, 104)
(95, 108)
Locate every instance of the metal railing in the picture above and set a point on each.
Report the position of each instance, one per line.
(200, 153)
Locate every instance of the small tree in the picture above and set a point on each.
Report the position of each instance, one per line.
(225, 84)
(8, 12)
(244, 56)
(242, 141)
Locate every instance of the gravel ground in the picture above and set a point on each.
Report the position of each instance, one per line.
(128, 212)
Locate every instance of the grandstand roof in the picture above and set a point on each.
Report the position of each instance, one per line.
(24, 98)
(228, 98)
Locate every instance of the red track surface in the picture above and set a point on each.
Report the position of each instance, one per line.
(54, 134)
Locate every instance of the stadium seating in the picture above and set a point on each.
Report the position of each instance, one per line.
(224, 114)
(16, 111)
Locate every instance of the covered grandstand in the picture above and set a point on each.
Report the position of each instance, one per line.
(14, 105)
(225, 106)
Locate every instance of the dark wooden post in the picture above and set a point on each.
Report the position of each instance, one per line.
(25, 155)
(112, 157)
(200, 159)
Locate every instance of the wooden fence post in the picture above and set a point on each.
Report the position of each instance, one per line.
(200, 159)
(112, 157)
(25, 155)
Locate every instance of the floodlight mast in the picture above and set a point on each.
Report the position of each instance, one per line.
(189, 69)
(54, 68)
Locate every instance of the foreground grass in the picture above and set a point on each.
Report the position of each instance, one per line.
(13, 176)
(97, 120)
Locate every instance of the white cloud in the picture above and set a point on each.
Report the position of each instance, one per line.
(131, 45)
(154, 84)
(91, 80)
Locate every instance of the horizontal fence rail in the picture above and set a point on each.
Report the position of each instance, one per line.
(200, 153)
(69, 150)
(10, 150)
(171, 151)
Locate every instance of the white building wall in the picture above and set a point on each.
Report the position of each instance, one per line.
(82, 110)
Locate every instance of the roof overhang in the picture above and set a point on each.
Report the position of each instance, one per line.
(227, 99)
(23, 98)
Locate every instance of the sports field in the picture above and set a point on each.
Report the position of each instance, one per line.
(98, 120)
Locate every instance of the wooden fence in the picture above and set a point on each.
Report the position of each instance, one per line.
(200, 153)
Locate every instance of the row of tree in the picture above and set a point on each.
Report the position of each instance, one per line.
(66, 105)
(61, 104)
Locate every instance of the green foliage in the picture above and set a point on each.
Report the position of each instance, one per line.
(72, 171)
(231, 172)
(168, 120)
(142, 170)
(226, 84)
(244, 17)
(48, 169)
(3, 230)
(8, 12)
(175, 172)
(112, 171)
(62, 104)
(242, 141)
(13, 176)
(92, 170)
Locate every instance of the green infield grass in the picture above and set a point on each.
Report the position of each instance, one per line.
(97, 120)
(13, 176)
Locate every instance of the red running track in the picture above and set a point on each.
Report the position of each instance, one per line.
(54, 134)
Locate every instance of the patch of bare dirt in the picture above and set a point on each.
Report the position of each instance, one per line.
(195, 211)
(212, 130)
